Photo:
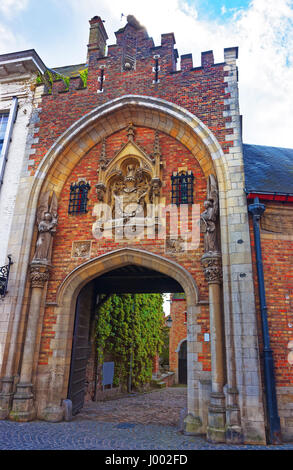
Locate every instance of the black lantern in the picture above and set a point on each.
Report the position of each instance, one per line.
(169, 321)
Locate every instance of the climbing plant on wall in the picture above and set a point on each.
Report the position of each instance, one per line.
(131, 322)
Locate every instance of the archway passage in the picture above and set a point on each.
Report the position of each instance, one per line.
(129, 279)
(135, 279)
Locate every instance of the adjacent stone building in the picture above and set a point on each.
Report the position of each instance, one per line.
(19, 98)
(137, 181)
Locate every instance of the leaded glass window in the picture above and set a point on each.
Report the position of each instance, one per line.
(182, 188)
(78, 197)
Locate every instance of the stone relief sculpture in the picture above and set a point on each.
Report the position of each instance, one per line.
(81, 249)
(127, 183)
(155, 191)
(47, 219)
(209, 217)
(129, 194)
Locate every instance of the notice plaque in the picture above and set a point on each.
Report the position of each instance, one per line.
(108, 373)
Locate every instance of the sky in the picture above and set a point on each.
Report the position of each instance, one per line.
(262, 29)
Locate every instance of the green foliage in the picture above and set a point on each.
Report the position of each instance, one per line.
(39, 79)
(83, 75)
(131, 323)
(50, 76)
(164, 356)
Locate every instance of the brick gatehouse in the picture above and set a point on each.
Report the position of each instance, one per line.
(160, 136)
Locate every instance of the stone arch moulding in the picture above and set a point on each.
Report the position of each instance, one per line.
(179, 345)
(95, 267)
(115, 115)
(67, 295)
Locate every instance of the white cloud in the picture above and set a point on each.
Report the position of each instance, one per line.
(265, 36)
(263, 32)
(11, 7)
(10, 41)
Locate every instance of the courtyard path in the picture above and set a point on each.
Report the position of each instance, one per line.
(147, 421)
(156, 407)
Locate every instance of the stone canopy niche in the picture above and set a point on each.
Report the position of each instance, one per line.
(128, 190)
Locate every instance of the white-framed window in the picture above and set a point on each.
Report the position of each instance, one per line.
(7, 120)
(3, 126)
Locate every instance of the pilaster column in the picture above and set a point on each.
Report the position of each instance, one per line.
(6, 396)
(212, 265)
(23, 401)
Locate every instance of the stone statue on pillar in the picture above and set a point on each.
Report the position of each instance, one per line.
(23, 408)
(47, 219)
(209, 217)
(212, 264)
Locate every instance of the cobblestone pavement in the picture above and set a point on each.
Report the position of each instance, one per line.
(158, 407)
(141, 422)
(94, 435)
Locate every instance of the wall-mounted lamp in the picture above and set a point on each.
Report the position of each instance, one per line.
(169, 321)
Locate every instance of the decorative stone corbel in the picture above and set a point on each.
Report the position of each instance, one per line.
(212, 264)
(39, 274)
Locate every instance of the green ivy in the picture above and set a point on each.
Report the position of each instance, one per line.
(50, 76)
(83, 75)
(128, 323)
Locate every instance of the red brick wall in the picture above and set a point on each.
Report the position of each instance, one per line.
(277, 254)
(178, 331)
(200, 90)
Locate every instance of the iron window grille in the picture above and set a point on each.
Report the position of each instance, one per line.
(182, 188)
(78, 198)
(3, 125)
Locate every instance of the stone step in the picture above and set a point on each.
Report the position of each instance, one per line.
(158, 384)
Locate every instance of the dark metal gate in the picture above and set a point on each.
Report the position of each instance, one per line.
(80, 350)
(182, 363)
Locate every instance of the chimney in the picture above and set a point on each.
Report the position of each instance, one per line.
(98, 37)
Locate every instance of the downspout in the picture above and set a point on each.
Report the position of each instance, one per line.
(274, 431)
(7, 139)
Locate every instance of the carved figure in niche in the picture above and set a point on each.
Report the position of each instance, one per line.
(155, 191)
(130, 171)
(47, 221)
(100, 192)
(129, 193)
(209, 217)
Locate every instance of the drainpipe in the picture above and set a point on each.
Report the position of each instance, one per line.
(274, 431)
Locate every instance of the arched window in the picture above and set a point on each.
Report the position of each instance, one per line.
(182, 188)
(78, 197)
